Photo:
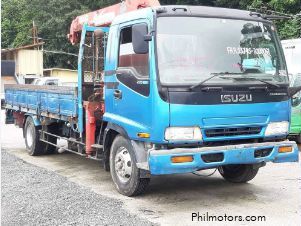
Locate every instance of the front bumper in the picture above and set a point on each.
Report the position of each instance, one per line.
(160, 160)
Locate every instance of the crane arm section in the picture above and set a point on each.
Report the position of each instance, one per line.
(105, 16)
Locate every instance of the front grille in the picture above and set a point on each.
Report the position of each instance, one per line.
(228, 132)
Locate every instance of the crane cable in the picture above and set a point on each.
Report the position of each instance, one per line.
(196, 173)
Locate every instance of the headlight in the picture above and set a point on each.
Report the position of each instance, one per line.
(183, 134)
(277, 128)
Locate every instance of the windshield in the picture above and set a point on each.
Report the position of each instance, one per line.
(191, 49)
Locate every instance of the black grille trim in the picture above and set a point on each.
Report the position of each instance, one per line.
(228, 132)
(259, 153)
(213, 157)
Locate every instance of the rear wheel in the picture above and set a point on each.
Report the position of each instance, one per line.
(32, 138)
(124, 171)
(238, 173)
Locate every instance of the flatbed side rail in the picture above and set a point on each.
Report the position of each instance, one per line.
(55, 89)
(58, 102)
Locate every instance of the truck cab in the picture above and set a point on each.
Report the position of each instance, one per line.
(177, 87)
(163, 85)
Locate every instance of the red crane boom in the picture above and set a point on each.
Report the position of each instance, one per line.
(105, 16)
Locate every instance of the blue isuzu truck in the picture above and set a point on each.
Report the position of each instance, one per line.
(166, 90)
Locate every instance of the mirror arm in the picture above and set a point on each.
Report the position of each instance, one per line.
(293, 90)
(148, 38)
(151, 32)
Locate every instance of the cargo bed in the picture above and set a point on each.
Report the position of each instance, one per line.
(59, 102)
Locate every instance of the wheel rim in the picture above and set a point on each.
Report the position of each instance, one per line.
(29, 135)
(123, 164)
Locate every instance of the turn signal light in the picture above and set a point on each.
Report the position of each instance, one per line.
(180, 159)
(143, 135)
(285, 149)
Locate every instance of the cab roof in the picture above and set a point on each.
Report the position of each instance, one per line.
(184, 10)
(207, 11)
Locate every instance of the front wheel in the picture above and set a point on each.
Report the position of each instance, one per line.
(238, 173)
(124, 172)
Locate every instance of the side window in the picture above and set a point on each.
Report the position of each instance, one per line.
(128, 59)
(133, 68)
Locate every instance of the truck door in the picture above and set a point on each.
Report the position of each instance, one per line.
(132, 94)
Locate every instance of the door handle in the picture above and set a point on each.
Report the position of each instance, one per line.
(117, 94)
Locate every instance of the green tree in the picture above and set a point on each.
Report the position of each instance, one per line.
(287, 28)
(54, 17)
(16, 23)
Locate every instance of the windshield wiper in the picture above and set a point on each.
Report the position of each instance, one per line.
(233, 73)
(258, 79)
(213, 75)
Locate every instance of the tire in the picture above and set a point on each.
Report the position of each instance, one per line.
(238, 173)
(32, 138)
(122, 156)
(298, 139)
(50, 149)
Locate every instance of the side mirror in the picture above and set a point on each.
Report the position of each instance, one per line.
(296, 101)
(139, 32)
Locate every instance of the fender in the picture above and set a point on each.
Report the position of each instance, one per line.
(35, 119)
(109, 134)
(116, 128)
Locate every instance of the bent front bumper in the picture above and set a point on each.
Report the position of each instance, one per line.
(160, 160)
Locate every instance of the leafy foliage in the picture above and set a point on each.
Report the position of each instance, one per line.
(54, 17)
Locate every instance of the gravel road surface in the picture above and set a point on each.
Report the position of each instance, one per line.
(35, 196)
